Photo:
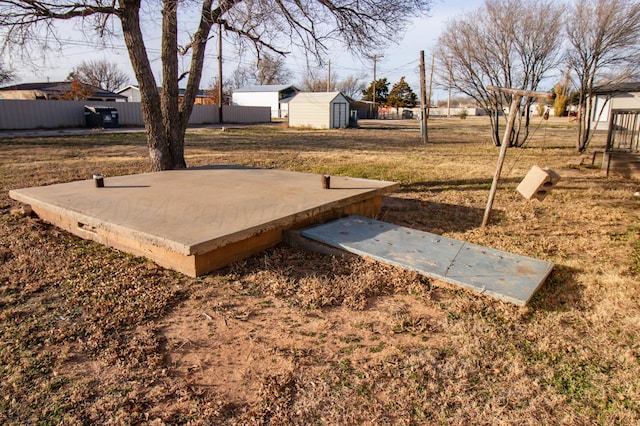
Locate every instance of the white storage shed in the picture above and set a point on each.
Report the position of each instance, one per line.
(319, 110)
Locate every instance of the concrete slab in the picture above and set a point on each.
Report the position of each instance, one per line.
(200, 219)
(499, 274)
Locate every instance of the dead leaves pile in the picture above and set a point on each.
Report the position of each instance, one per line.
(315, 281)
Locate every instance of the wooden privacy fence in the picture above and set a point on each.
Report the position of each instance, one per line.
(41, 114)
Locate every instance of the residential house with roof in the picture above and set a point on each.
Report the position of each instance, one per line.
(132, 93)
(274, 96)
(617, 110)
(62, 90)
(618, 96)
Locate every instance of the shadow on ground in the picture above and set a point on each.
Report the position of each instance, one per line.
(458, 185)
(561, 292)
(428, 216)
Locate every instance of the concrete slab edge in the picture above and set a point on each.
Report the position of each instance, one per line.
(90, 221)
(288, 221)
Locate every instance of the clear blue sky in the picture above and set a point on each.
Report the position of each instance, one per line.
(401, 59)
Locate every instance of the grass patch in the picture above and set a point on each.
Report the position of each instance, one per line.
(91, 335)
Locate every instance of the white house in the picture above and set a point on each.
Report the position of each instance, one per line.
(319, 110)
(131, 92)
(275, 96)
(614, 96)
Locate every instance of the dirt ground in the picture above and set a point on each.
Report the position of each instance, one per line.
(91, 335)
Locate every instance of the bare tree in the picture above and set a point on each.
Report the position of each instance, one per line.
(265, 24)
(316, 81)
(212, 92)
(241, 76)
(267, 69)
(505, 43)
(351, 86)
(6, 74)
(272, 69)
(101, 73)
(605, 41)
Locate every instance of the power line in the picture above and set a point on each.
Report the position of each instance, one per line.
(230, 59)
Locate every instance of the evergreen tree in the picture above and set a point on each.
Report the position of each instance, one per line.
(382, 91)
(401, 96)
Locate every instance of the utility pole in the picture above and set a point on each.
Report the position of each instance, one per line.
(375, 61)
(450, 78)
(220, 118)
(329, 77)
(375, 108)
(433, 64)
(423, 101)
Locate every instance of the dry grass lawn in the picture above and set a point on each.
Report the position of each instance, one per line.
(91, 335)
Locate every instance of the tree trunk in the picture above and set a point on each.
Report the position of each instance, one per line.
(527, 121)
(173, 128)
(586, 124)
(521, 134)
(159, 153)
(580, 124)
(495, 127)
(585, 112)
(515, 134)
(166, 117)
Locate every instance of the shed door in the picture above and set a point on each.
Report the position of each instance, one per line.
(339, 115)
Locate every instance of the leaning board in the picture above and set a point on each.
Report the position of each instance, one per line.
(496, 273)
